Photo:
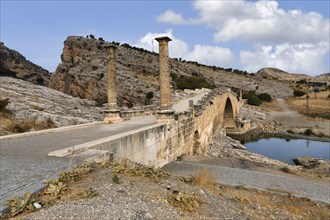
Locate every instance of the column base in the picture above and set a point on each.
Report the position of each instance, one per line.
(165, 116)
(113, 116)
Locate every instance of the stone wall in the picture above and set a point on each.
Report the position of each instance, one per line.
(189, 133)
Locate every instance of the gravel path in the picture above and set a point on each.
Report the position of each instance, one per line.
(254, 179)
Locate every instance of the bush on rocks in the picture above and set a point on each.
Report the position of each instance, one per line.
(265, 97)
(298, 93)
(252, 98)
(3, 103)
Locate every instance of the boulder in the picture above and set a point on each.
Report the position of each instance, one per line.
(311, 163)
(237, 145)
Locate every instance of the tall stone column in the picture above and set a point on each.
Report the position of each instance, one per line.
(111, 76)
(166, 114)
(164, 74)
(113, 111)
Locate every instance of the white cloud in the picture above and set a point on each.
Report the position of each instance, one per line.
(299, 58)
(177, 47)
(210, 55)
(170, 16)
(206, 54)
(292, 34)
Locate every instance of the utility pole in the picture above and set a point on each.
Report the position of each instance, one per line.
(307, 103)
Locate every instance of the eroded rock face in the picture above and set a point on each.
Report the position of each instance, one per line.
(14, 64)
(39, 103)
(82, 72)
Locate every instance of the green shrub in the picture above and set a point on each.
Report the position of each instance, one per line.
(265, 97)
(325, 115)
(302, 81)
(3, 103)
(298, 93)
(308, 132)
(191, 82)
(290, 131)
(252, 98)
(115, 179)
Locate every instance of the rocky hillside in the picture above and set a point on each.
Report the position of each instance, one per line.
(325, 78)
(14, 64)
(277, 74)
(82, 73)
(38, 104)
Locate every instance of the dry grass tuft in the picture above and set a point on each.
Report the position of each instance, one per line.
(287, 170)
(204, 178)
(27, 125)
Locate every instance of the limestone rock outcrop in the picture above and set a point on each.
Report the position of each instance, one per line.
(14, 64)
(82, 72)
(39, 103)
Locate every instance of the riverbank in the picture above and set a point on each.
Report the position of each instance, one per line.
(267, 124)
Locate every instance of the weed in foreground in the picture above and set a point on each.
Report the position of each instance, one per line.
(152, 173)
(115, 179)
(17, 204)
(55, 190)
(185, 201)
(76, 174)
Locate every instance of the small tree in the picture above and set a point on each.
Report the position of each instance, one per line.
(3, 103)
(92, 36)
(298, 93)
(149, 96)
(265, 97)
(316, 91)
(252, 98)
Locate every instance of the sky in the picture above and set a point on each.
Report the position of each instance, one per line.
(291, 35)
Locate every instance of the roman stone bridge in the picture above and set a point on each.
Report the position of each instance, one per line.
(187, 129)
(184, 128)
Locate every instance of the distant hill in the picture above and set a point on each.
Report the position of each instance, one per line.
(277, 74)
(14, 64)
(324, 78)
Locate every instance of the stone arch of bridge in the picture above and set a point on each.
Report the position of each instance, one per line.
(197, 144)
(229, 115)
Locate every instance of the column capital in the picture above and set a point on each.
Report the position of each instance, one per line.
(163, 39)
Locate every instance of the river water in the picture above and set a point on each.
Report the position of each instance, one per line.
(286, 149)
